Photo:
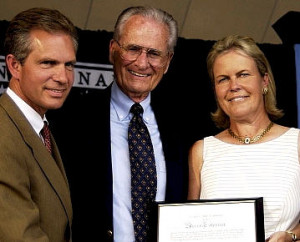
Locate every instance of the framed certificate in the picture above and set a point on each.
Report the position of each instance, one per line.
(233, 220)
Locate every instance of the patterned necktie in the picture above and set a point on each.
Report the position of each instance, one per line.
(46, 135)
(143, 172)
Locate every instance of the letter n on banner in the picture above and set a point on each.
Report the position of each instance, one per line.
(95, 76)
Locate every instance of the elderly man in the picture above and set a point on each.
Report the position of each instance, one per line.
(130, 151)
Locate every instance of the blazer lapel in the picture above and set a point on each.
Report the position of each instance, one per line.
(57, 158)
(53, 170)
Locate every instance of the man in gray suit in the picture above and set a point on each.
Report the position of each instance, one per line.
(40, 52)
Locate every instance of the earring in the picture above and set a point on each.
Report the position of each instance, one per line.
(265, 90)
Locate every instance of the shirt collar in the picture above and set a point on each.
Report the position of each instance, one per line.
(33, 117)
(122, 104)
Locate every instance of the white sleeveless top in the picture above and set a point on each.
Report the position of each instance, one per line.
(270, 170)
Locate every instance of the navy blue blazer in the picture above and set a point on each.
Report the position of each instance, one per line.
(87, 157)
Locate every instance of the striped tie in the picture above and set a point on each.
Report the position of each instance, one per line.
(46, 135)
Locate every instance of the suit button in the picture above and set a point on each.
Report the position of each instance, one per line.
(109, 233)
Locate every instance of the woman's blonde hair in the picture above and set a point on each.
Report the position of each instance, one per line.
(248, 46)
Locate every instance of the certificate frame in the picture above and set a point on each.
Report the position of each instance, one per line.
(214, 220)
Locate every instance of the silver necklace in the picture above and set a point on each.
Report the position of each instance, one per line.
(248, 140)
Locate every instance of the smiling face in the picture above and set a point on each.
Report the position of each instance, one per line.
(238, 85)
(137, 78)
(45, 78)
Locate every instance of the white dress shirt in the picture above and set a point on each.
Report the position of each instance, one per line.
(33, 117)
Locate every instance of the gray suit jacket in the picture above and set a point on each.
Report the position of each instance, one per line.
(35, 203)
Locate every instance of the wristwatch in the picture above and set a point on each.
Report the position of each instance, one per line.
(294, 237)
